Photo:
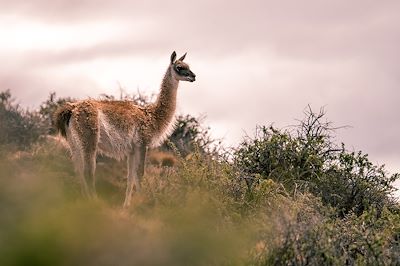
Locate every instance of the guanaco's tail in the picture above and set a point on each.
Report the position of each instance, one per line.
(61, 118)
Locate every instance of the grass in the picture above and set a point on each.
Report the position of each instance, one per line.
(44, 220)
(196, 213)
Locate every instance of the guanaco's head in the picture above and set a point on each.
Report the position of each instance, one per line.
(181, 70)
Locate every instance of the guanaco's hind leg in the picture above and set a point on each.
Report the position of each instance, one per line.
(85, 165)
(136, 163)
(82, 165)
(89, 167)
(84, 137)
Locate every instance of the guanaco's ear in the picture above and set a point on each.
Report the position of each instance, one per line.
(183, 57)
(173, 57)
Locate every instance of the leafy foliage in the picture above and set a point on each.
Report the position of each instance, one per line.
(307, 159)
(18, 128)
(188, 136)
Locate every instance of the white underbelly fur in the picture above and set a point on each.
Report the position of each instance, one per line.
(113, 142)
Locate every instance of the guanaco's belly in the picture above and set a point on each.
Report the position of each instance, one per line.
(114, 142)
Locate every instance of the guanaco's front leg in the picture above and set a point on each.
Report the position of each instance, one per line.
(136, 163)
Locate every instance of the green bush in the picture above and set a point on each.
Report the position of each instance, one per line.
(188, 136)
(363, 240)
(18, 128)
(307, 159)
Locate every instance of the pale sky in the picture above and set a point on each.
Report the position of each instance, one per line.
(257, 62)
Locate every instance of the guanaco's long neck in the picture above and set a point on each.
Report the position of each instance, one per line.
(164, 107)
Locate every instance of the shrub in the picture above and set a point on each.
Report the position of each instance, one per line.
(307, 159)
(18, 128)
(363, 240)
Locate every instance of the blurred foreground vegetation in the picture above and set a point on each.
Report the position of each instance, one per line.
(282, 197)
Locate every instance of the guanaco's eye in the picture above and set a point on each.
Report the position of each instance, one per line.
(179, 68)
